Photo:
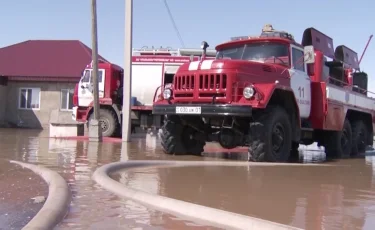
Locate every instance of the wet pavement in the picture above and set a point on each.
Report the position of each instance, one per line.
(308, 197)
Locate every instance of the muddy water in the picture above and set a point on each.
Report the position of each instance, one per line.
(92, 207)
(311, 198)
(339, 197)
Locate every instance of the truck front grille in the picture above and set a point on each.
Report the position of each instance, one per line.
(201, 86)
(212, 81)
(185, 82)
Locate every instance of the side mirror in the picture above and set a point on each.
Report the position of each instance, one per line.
(309, 54)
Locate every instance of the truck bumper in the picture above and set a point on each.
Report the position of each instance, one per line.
(203, 109)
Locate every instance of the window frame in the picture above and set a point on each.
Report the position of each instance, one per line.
(292, 57)
(100, 79)
(20, 94)
(245, 46)
(67, 102)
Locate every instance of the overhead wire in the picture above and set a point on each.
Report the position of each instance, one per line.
(174, 24)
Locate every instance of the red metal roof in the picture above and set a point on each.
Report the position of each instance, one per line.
(45, 58)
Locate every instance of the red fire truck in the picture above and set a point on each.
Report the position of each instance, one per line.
(151, 68)
(271, 94)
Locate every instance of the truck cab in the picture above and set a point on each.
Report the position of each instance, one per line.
(110, 78)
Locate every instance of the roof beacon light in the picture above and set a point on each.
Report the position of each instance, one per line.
(268, 28)
(269, 31)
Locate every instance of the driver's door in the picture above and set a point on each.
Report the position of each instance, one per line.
(85, 95)
(300, 81)
(86, 87)
(101, 82)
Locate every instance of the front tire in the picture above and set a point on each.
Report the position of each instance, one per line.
(177, 139)
(270, 137)
(108, 122)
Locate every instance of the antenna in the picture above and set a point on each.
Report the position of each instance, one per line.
(174, 23)
(364, 51)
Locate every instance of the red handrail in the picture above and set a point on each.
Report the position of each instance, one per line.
(346, 84)
(156, 92)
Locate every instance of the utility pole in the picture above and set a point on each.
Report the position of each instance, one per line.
(95, 131)
(127, 83)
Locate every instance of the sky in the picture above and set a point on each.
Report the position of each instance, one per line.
(349, 23)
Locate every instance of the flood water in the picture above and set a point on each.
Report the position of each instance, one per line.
(338, 197)
(92, 207)
(305, 197)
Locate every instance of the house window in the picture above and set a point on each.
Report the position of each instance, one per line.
(67, 99)
(29, 98)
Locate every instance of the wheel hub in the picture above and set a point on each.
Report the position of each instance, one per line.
(361, 144)
(277, 138)
(344, 139)
(103, 125)
(362, 137)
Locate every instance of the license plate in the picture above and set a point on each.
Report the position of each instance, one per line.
(188, 110)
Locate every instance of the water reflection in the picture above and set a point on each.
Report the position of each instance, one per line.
(92, 206)
(307, 197)
(314, 198)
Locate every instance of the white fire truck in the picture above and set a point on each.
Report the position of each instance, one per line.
(151, 69)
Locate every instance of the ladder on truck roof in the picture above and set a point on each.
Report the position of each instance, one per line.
(196, 52)
(173, 52)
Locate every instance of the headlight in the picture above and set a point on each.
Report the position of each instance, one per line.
(248, 92)
(167, 93)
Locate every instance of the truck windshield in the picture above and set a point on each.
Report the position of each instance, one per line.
(86, 78)
(264, 52)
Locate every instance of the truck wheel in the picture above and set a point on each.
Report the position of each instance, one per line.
(270, 137)
(177, 139)
(338, 144)
(360, 136)
(108, 122)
